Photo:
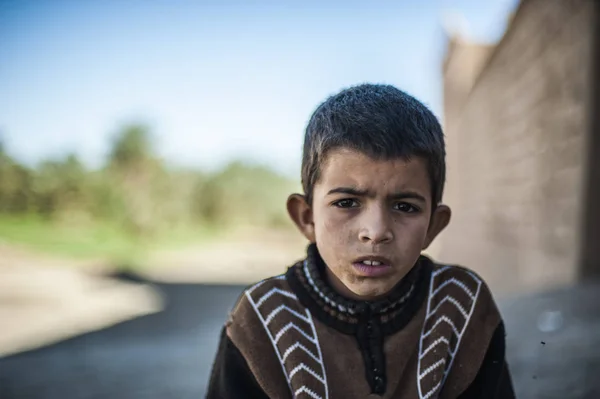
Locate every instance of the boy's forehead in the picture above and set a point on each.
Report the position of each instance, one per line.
(349, 167)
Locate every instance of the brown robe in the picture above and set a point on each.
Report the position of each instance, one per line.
(291, 336)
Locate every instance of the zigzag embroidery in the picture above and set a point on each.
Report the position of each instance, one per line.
(271, 293)
(440, 271)
(440, 320)
(284, 353)
(304, 367)
(292, 325)
(453, 301)
(458, 283)
(255, 286)
(433, 390)
(298, 345)
(432, 367)
(447, 357)
(307, 391)
(434, 344)
(282, 308)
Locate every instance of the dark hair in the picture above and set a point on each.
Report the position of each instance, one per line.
(380, 121)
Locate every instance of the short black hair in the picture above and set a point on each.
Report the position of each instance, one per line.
(380, 121)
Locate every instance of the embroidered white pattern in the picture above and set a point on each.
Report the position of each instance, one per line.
(440, 320)
(433, 362)
(429, 369)
(307, 391)
(288, 327)
(433, 390)
(304, 367)
(281, 308)
(434, 344)
(457, 282)
(320, 293)
(247, 293)
(273, 292)
(450, 299)
(281, 314)
(298, 345)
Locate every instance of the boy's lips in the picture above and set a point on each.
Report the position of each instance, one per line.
(372, 266)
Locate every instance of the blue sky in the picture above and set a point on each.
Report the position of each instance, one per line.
(215, 80)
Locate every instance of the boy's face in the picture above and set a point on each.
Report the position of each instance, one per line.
(370, 220)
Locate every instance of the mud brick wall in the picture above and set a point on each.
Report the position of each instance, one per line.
(517, 123)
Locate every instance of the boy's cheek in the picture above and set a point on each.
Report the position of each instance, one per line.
(332, 234)
(335, 223)
(410, 240)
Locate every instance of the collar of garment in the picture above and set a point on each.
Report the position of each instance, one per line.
(308, 280)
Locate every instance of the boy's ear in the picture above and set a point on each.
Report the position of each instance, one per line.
(438, 222)
(302, 215)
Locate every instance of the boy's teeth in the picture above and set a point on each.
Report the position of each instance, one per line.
(371, 262)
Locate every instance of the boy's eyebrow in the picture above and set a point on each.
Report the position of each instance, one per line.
(365, 193)
(348, 190)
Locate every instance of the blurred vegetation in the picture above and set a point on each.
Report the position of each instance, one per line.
(133, 202)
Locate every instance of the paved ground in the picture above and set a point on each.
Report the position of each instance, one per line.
(43, 305)
(554, 342)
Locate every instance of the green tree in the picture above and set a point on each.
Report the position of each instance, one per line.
(136, 170)
(15, 184)
(131, 147)
(61, 187)
(243, 194)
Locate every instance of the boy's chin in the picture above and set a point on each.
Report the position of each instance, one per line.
(370, 290)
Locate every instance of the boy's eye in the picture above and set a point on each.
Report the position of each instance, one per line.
(405, 207)
(346, 203)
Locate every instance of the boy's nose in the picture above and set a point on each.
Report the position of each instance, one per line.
(376, 228)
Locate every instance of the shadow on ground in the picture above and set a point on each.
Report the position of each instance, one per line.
(553, 342)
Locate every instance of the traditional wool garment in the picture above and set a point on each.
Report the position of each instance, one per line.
(438, 334)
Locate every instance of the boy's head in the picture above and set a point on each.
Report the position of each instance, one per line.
(373, 171)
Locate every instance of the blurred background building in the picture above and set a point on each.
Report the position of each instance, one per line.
(522, 136)
(147, 150)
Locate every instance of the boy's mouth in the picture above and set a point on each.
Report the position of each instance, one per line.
(372, 266)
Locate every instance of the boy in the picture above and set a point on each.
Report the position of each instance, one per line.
(365, 314)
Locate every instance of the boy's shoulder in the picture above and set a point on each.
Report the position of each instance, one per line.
(464, 289)
(264, 299)
(266, 317)
(443, 275)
